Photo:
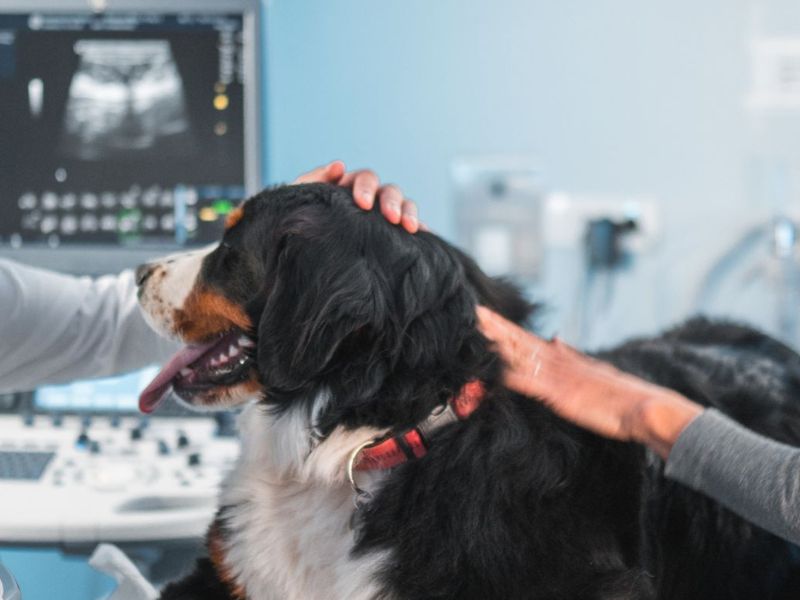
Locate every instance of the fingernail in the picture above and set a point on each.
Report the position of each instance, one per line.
(412, 220)
(367, 196)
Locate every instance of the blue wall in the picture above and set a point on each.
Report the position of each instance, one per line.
(613, 96)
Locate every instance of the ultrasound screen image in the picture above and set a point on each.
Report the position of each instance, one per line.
(126, 96)
(120, 129)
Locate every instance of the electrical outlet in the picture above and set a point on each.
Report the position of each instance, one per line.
(567, 215)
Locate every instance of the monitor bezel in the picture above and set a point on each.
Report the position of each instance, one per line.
(87, 259)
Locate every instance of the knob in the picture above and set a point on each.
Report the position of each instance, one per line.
(183, 439)
(136, 434)
(94, 447)
(163, 448)
(194, 459)
(83, 439)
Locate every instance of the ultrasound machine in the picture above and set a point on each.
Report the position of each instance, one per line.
(128, 130)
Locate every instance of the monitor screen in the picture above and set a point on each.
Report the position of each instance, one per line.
(112, 394)
(119, 129)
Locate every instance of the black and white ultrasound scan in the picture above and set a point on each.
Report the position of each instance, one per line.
(126, 96)
(119, 129)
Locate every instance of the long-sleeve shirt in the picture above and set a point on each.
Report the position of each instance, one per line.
(56, 328)
(754, 476)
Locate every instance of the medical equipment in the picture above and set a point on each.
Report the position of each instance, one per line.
(75, 477)
(129, 129)
(8, 587)
(499, 214)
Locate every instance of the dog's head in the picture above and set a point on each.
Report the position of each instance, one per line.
(307, 294)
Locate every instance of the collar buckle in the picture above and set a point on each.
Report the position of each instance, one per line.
(352, 461)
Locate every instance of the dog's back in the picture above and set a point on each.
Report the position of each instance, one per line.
(701, 549)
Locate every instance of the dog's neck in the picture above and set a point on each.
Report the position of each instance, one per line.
(288, 499)
(285, 445)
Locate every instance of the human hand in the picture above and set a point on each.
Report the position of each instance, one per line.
(588, 392)
(366, 186)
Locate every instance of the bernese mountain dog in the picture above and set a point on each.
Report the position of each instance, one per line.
(382, 458)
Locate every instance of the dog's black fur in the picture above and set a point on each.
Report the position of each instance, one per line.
(514, 502)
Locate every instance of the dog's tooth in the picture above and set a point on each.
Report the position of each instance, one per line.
(214, 362)
(233, 351)
(245, 342)
(186, 371)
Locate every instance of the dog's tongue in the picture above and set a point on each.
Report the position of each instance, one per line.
(152, 395)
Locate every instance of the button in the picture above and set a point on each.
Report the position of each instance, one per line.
(136, 434)
(183, 439)
(194, 459)
(163, 448)
(83, 440)
(94, 447)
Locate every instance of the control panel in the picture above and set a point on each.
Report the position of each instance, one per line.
(119, 478)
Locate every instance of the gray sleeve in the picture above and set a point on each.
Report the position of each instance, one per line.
(755, 477)
(56, 328)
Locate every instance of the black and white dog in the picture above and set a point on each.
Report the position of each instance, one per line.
(353, 346)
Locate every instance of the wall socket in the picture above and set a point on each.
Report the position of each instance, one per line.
(567, 215)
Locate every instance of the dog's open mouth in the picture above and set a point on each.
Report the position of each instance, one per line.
(224, 361)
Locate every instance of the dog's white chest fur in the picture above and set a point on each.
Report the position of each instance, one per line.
(288, 526)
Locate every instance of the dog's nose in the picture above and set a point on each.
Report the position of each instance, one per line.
(143, 272)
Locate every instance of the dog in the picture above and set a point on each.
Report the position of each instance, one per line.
(382, 458)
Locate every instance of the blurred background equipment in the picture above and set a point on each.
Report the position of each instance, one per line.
(126, 133)
(8, 586)
(604, 258)
(498, 207)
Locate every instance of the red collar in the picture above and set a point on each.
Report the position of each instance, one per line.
(393, 451)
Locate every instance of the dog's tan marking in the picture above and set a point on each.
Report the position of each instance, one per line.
(206, 314)
(234, 216)
(216, 554)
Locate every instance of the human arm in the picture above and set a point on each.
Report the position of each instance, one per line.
(57, 328)
(754, 476)
(589, 392)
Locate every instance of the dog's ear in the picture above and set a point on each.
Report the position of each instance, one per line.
(320, 298)
(497, 293)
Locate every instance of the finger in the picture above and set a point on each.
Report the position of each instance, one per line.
(409, 218)
(329, 173)
(347, 179)
(391, 200)
(365, 186)
(492, 324)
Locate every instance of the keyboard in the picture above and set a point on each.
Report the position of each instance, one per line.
(24, 465)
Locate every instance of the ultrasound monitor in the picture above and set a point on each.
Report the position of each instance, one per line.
(125, 133)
